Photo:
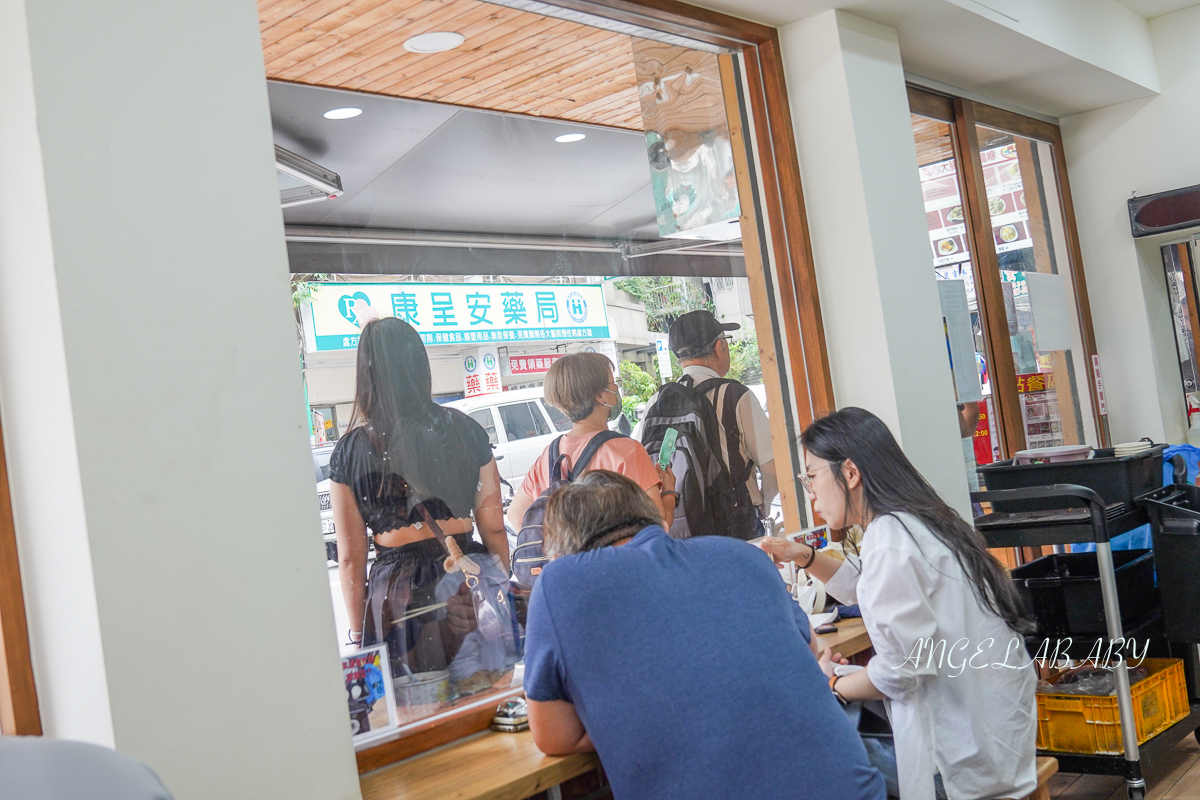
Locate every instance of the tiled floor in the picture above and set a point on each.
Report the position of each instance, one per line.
(1176, 778)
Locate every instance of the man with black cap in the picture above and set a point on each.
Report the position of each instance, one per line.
(701, 344)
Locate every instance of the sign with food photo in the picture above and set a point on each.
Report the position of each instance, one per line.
(944, 213)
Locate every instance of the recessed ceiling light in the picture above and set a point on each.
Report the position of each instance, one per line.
(435, 42)
(342, 113)
(570, 137)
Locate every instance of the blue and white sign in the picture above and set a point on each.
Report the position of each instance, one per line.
(664, 357)
(459, 313)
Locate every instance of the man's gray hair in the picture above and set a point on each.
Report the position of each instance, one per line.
(699, 352)
(594, 511)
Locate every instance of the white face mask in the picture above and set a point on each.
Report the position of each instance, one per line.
(614, 410)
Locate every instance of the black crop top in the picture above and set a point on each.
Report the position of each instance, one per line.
(433, 463)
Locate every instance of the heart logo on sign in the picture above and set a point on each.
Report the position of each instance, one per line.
(346, 305)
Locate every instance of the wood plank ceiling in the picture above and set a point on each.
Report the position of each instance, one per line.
(933, 139)
(512, 60)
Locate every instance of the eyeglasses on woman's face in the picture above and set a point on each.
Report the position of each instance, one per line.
(809, 475)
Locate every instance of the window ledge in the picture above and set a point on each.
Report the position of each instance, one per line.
(488, 766)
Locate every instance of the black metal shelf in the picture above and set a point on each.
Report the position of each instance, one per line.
(1150, 751)
(1041, 535)
(1101, 523)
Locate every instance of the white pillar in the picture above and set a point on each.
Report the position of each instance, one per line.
(175, 579)
(858, 163)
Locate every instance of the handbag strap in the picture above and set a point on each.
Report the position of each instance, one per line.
(472, 571)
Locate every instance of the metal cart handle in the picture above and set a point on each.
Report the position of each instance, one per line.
(1069, 494)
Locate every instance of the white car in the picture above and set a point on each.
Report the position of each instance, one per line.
(520, 425)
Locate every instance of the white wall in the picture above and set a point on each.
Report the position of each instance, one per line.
(1100, 32)
(39, 431)
(1143, 147)
(202, 642)
(858, 164)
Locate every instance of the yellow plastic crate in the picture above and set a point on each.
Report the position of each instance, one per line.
(1070, 723)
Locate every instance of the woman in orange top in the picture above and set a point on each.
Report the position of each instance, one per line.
(581, 385)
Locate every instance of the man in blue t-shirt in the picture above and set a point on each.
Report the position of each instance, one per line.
(684, 663)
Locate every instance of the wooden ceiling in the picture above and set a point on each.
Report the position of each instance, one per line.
(933, 138)
(512, 60)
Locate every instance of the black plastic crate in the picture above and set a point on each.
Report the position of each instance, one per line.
(1116, 480)
(1063, 591)
(1175, 525)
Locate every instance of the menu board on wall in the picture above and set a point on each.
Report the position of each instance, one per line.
(944, 213)
(946, 217)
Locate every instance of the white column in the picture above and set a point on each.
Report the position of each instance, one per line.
(176, 584)
(858, 164)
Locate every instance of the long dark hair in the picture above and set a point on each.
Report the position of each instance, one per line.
(891, 485)
(393, 381)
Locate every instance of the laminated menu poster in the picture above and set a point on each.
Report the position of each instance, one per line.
(369, 693)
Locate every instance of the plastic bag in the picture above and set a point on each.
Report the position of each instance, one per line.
(1090, 680)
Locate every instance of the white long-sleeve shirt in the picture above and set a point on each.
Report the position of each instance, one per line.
(957, 708)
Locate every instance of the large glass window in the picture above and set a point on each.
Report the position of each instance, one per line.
(1000, 236)
(496, 222)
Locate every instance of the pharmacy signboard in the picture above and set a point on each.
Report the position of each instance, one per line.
(458, 313)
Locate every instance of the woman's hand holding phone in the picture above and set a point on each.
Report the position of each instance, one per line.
(667, 476)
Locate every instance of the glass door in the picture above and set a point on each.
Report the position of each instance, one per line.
(1028, 238)
(955, 268)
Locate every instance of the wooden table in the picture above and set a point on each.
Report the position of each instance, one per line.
(487, 766)
(508, 766)
(851, 638)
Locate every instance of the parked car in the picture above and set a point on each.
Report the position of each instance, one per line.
(321, 454)
(519, 424)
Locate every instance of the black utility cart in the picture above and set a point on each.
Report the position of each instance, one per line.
(1067, 513)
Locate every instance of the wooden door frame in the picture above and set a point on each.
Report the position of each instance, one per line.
(19, 713)
(781, 209)
(963, 115)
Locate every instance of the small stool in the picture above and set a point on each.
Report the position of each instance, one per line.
(1046, 768)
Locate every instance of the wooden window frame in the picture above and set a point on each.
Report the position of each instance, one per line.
(963, 115)
(779, 201)
(19, 713)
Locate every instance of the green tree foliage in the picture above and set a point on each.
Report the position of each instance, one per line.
(660, 314)
(745, 363)
(303, 287)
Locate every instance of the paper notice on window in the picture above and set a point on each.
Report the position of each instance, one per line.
(956, 315)
(1052, 310)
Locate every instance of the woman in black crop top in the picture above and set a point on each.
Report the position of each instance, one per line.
(406, 461)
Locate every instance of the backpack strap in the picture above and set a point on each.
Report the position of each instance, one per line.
(739, 468)
(553, 460)
(594, 444)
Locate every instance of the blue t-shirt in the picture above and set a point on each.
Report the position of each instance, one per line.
(689, 665)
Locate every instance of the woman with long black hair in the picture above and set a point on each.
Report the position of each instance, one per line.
(406, 469)
(944, 618)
